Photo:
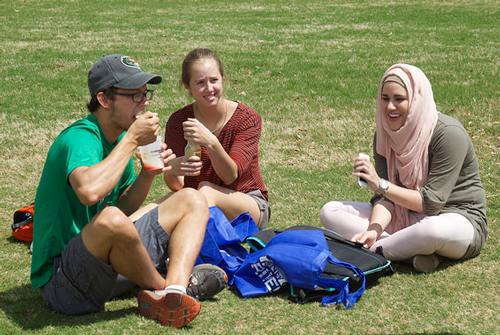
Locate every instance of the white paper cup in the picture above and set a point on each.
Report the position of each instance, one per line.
(151, 155)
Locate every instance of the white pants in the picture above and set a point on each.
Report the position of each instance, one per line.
(448, 234)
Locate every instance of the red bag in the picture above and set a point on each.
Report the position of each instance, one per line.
(22, 228)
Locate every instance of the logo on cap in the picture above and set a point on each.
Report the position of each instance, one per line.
(127, 61)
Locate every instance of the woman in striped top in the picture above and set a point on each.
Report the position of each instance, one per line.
(227, 172)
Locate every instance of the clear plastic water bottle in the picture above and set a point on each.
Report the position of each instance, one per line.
(192, 149)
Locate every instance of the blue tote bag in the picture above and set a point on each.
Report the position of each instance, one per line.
(221, 245)
(297, 257)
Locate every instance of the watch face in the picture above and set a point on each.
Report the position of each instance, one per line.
(384, 184)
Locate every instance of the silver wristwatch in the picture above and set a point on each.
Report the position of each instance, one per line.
(383, 187)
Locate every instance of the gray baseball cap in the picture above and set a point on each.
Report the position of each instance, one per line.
(118, 71)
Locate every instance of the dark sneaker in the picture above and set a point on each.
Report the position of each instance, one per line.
(171, 309)
(206, 281)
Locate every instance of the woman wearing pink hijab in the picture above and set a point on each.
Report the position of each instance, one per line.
(429, 203)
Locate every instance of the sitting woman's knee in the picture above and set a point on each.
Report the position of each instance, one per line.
(328, 209)
(430, 229)
(205, 187)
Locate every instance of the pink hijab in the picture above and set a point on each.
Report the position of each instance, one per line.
(406, 149)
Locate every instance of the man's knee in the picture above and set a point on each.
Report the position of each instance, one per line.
(194, 199)
(108, 229)
(111, 220)
(187, 201)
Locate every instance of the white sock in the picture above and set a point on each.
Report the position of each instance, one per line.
(175, 288)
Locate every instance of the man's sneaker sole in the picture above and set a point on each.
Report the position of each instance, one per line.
(171, 309)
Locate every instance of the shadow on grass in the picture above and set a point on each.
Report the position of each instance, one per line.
(26, 307)
(11, 239)
(306, 296)
(407, 269)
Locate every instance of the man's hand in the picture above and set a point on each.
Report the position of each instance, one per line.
(145, 128)
(167, 155)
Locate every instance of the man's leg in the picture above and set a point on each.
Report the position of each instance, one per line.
(81, 282)
(86, 272)
(183, 215)
(112, 237)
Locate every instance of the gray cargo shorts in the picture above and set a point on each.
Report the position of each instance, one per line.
(82, 283)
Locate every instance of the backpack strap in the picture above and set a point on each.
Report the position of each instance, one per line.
(23, 216)
(342, 286)
(15, 225)
(329, 286)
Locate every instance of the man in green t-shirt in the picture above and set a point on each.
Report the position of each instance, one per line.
(91, 240)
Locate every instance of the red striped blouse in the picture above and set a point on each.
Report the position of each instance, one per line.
(239, 138)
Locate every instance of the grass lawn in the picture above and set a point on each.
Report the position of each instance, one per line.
(311, 69)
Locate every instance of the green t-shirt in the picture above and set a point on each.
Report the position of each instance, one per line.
(59, 214)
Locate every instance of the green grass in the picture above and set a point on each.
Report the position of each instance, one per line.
(311, 69)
